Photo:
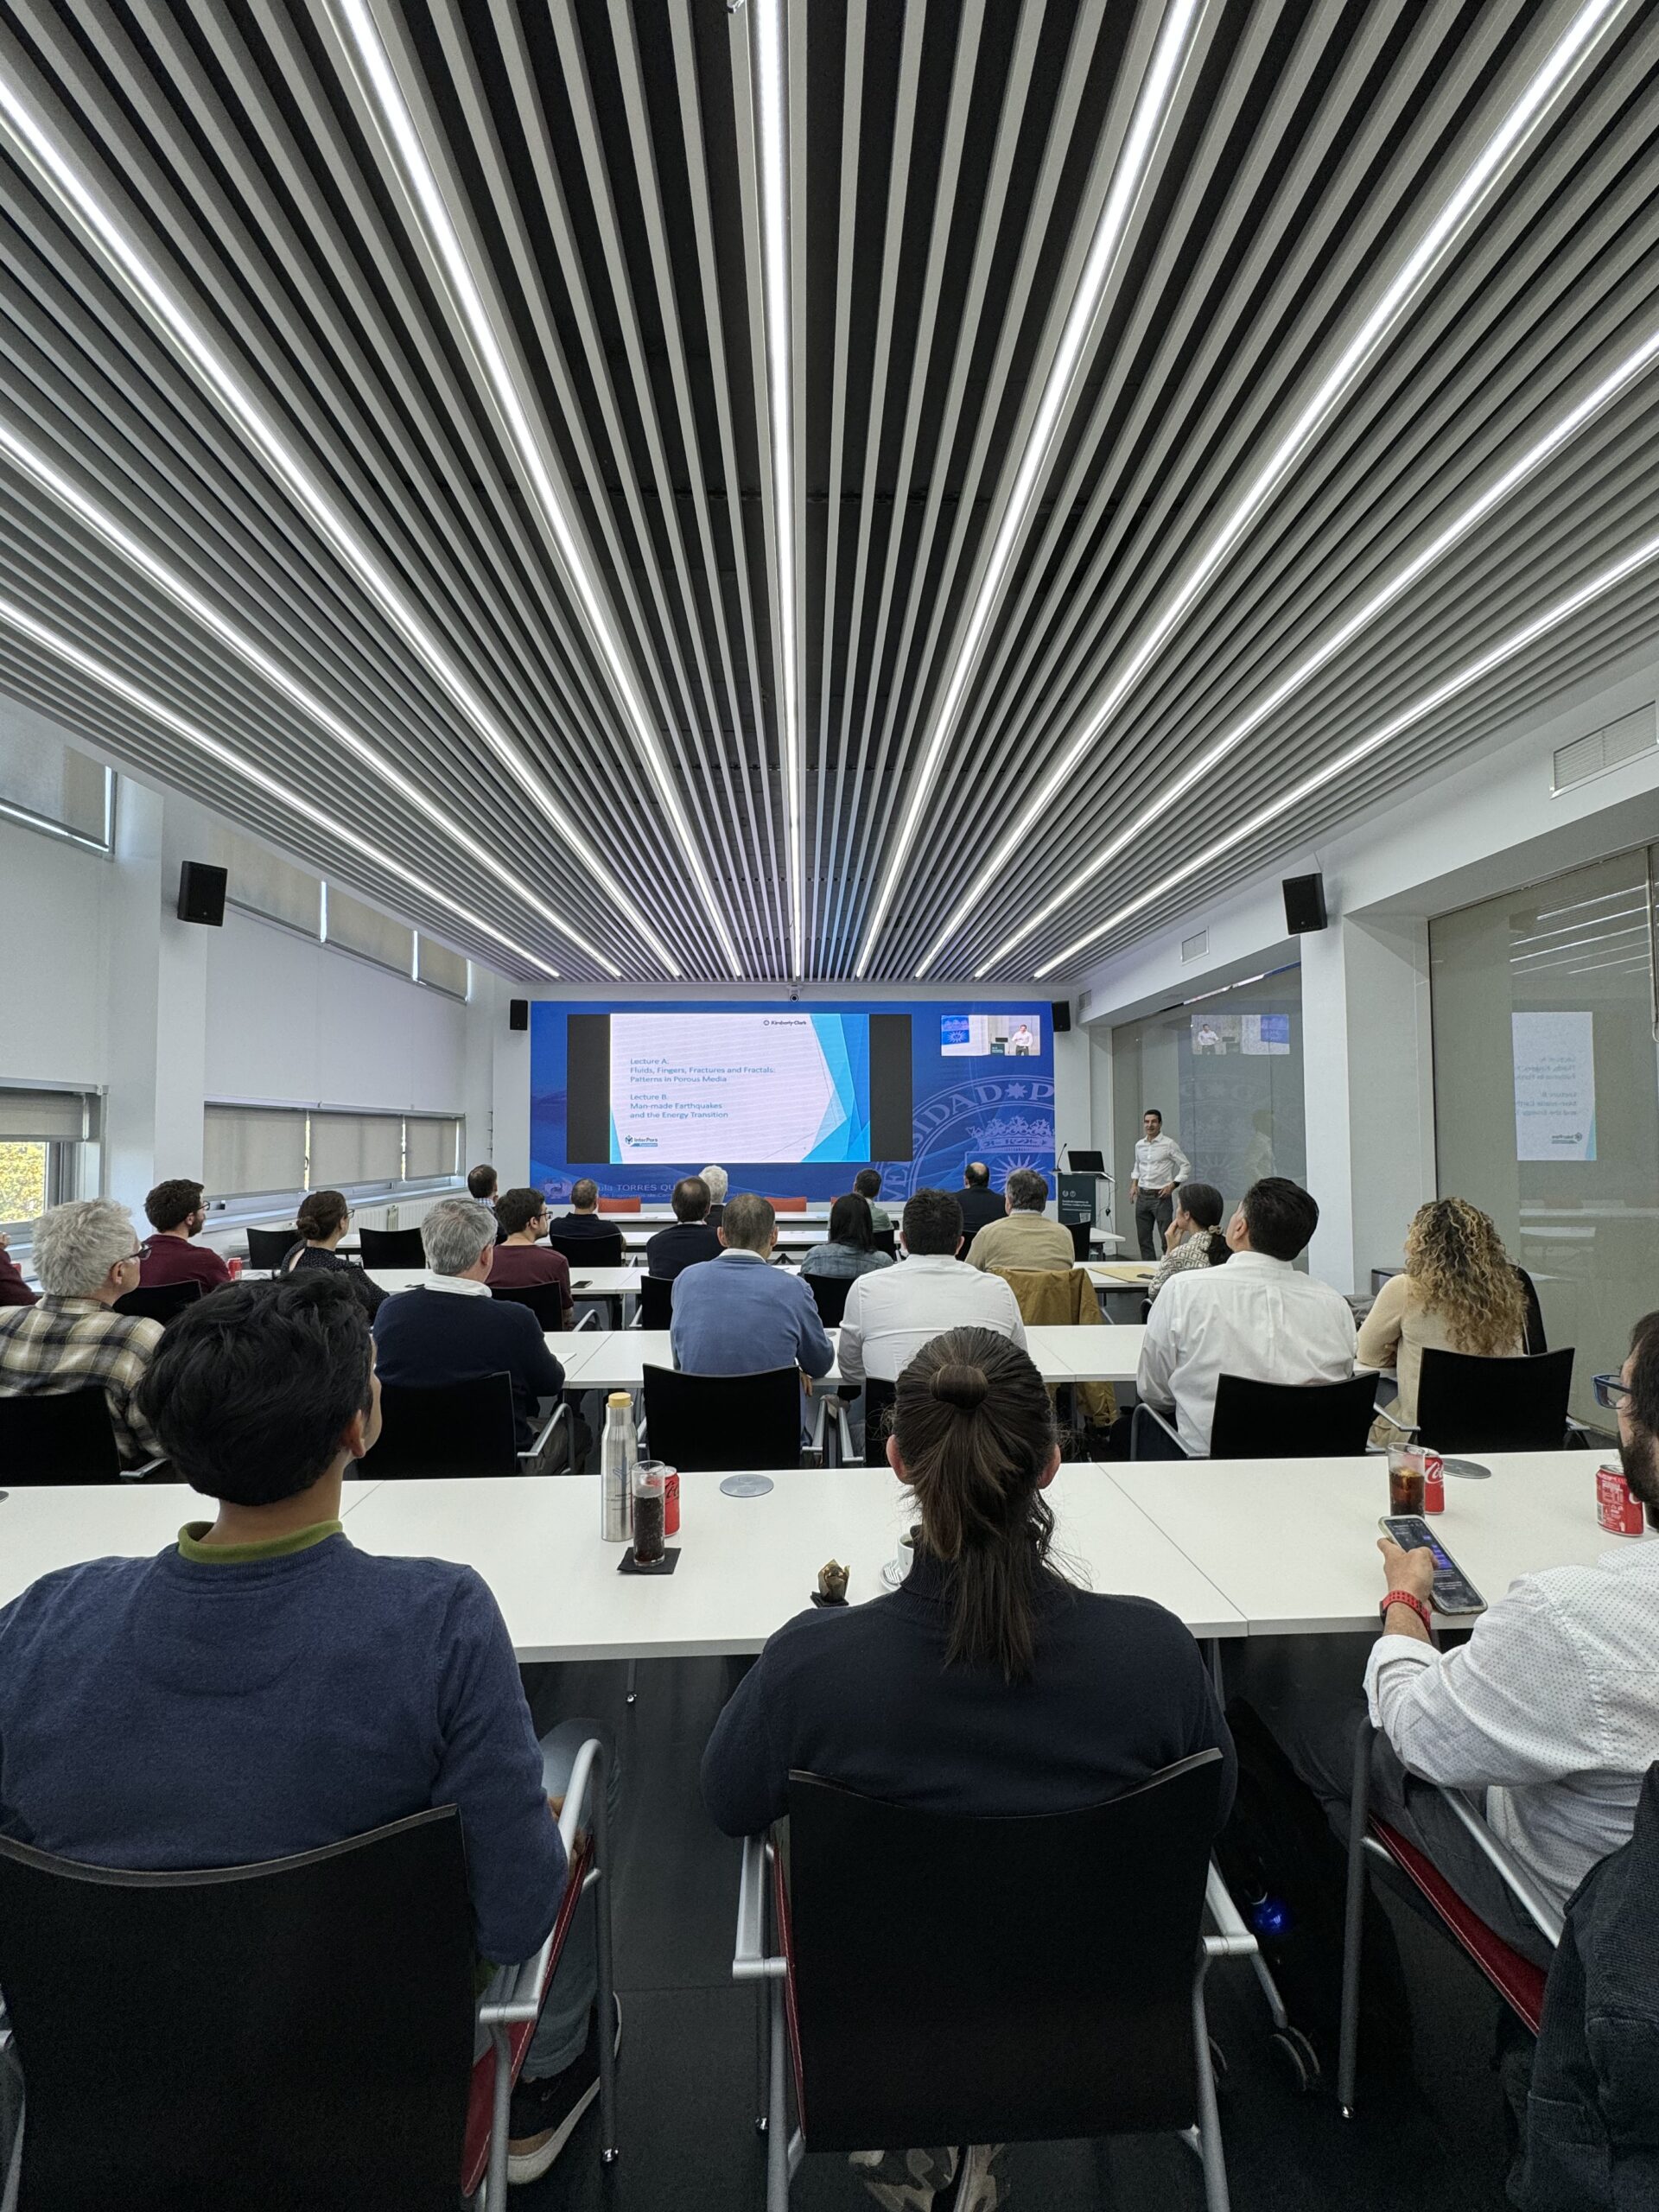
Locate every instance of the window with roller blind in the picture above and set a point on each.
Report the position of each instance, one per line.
(351, 926)
(439, 968)
(259, 882)
(267, 1151)
(49, 786)
(47, 1155)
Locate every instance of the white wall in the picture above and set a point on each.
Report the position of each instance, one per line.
(1490, 826)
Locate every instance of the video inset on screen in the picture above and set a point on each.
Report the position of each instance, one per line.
(1216, 1035)
(990, 1036)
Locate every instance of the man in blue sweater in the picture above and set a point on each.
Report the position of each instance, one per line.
(262, 1687)
(449, 1328)
(739, 1315)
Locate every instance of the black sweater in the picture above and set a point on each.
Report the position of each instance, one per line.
(863, 1697)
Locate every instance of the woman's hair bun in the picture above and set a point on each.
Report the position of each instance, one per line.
(962, 1386)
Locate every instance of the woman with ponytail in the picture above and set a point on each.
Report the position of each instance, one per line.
(986, 1683)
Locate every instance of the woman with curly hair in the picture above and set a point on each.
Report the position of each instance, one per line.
(1461, 1292)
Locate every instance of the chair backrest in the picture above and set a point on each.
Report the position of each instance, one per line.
(701, 1422)
(544, 1300)
(1468, 1404)
(462, 1429)
(619, 1205)
(788, 1205)
(391, 1248)
(1292, 1420)
(61, 1437)
(1536, 1340)
(960, 1980)
(162, 1302)
(277, 2038)
(1081, 1232)
(655, 1301)
(829, 1296)
(590, 1251)
(886, 1240)
(268, 1248)
(880, 1398)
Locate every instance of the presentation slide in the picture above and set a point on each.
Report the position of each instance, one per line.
(778, 1088)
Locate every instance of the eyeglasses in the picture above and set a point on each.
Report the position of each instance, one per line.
(142, 1253)
(1612, 1390)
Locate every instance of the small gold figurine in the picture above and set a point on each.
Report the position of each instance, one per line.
(832, 1582)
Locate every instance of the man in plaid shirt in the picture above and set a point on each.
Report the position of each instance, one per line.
(86, 1256)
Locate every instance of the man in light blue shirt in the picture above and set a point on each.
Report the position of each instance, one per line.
(738, 1314)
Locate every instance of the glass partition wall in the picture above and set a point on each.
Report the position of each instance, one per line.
(1546, 1094)
(1225, 1072)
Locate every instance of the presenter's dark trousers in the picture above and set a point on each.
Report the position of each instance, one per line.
(1150, 1209)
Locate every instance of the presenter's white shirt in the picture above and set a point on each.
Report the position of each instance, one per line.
(1159, 1160)
(891, 1314)
(1255, 1317)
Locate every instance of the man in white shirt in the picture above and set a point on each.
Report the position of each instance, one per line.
(1256, 1316)
(892, 1314)
(1551, 1709)
(1160, 1165)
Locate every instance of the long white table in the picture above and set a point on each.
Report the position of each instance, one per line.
(746, 1564)
(1293, 1541)
(47, 1527)
(615, 1359)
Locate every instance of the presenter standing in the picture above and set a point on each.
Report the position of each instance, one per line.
(1160, 1165)
(1022, 1043)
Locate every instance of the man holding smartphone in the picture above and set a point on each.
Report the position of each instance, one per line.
(1551, 1709)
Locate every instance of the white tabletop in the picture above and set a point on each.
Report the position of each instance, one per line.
(1293, 1541)
(45, 1527)
(615, 1359)
(746, 1564)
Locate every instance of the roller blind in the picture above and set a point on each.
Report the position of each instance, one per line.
(42, 776)
(247, 1148)
(431, 1149)
(443, 969)
(261, 883)
(356, 1148)
(48, 1116)
(359, 929)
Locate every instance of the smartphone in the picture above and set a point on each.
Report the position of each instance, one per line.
(1453, 1591)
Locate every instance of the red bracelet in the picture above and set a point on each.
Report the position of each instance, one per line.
(1405, 1597)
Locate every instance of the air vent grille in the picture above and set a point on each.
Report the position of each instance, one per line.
(1625, 740)
(1193, 947)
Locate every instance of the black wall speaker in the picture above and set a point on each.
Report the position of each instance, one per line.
(201, 893)
(1304, 904)
(1059, 1013)
(518, 1013)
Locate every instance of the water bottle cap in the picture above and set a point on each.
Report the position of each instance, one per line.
(618, 1398)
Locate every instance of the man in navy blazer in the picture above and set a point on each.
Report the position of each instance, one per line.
(449, 1328)
(738, 1314)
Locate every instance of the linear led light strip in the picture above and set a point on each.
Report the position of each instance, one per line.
(385, 97)
(50, 479)
(1527, 116)
(1147, 121)
(1637, 363)
(1518, 641)
(772, 151)
(33, 143)
(110, 679)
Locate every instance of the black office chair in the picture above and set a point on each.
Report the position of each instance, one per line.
(829, 1296)
(149, 2008)
(655, 1301)
(64, 1437)
(724, 1421)
(268, 1248)
(1536, 1340)
(583, 1252)
(544, 1300)
(886, 1240)
(464, 1429)
(1467, 1404)
(391, 1248)
(952, 1980)
(1292, 1420)
(1081, 1232)
(880, 1398)
(163, 1302)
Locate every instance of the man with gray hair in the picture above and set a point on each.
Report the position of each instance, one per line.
(1024, 1237)
(86, 1256)
(716, 1179)
(448, 1328)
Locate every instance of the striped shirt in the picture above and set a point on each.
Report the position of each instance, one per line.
(75, 1344)
(1193, 1251)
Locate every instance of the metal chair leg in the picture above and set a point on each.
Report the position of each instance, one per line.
(777, 2161)
(633, 1678)
(1359, 1805)
(1209, 2151)
(610, 2150)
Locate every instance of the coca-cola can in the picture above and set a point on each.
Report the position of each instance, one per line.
(672, 1502)
(1618, 1511)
